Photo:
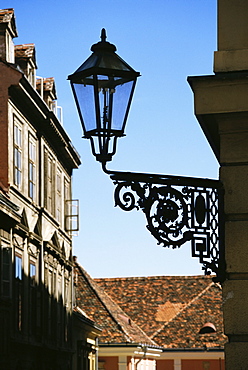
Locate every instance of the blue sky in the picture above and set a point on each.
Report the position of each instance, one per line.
(166, 41)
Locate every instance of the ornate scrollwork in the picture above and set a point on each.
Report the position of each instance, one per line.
(177, 210)
(166, 212)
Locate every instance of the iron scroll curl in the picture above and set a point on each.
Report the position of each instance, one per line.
(178, 210)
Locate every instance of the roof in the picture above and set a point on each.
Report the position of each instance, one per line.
(83, 318)
(25, 51)
(47, 84)
(171, 309)
(7, 16)
(116, 325)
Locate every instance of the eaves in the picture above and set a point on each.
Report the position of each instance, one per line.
(129, 349)
(88, 324)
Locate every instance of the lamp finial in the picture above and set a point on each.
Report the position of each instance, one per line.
(103, 35)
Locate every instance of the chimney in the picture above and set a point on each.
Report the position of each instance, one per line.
(7, 32)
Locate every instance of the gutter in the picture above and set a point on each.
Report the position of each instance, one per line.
(203, 349)
(131, 345)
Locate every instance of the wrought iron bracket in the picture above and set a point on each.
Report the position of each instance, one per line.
(178, 210)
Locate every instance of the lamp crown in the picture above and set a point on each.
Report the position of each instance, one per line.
(103, 45)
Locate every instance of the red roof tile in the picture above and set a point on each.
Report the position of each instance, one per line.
(116, 325)
(7, 16)
(171, 309)
(48, 84)
(25, 51)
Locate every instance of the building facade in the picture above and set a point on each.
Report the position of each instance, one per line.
(40, 326)
(221, 107)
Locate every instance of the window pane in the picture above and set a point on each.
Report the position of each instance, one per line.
(32, 151)
(18, 267)
(32, 273)
(17, 135)
(31, 190)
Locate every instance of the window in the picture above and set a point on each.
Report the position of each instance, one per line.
(32, 273)
(6, 271)
(32, 168)
(49, 316)
(67, 197)
(71, 209)
(34, 307)
(18, 291)
(18, 267)
(58, 195)
(49, 183)
(17, 154)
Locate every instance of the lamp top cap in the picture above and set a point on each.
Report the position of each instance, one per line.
(103, 35)
(103, 45)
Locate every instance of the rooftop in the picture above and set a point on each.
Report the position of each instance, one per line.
(7, 16)
(171, 310)
(117, 327)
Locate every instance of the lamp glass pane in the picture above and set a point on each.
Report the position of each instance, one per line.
(121, 104)
(114, 96)
(86, 105)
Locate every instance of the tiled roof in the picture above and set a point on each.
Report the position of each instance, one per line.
(81, 315)
(25, 51)
(116, 325)
(7, 16)
(171, 309)
(48, 84)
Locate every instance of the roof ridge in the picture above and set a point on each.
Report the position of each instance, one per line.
(104, 298)
(183, 308)
(155, 277)
(25, 44)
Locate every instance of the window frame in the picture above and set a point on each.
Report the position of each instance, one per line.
(32, 174)
(6, 271)
(18, 289)
(59, 178)
(17, 152)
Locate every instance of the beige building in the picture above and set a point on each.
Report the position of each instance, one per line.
(221, 107)
(40, 327)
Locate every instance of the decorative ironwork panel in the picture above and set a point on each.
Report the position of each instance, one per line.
(178, 210)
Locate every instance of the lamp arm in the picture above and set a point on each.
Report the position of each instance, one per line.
(178, 210)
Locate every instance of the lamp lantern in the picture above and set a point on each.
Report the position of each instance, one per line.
(103, 88)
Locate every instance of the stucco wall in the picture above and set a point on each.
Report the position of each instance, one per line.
(203, 364)
(165, 365)
(109, 363)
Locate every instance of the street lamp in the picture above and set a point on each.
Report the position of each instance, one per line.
(177, 209)
(103, 88)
